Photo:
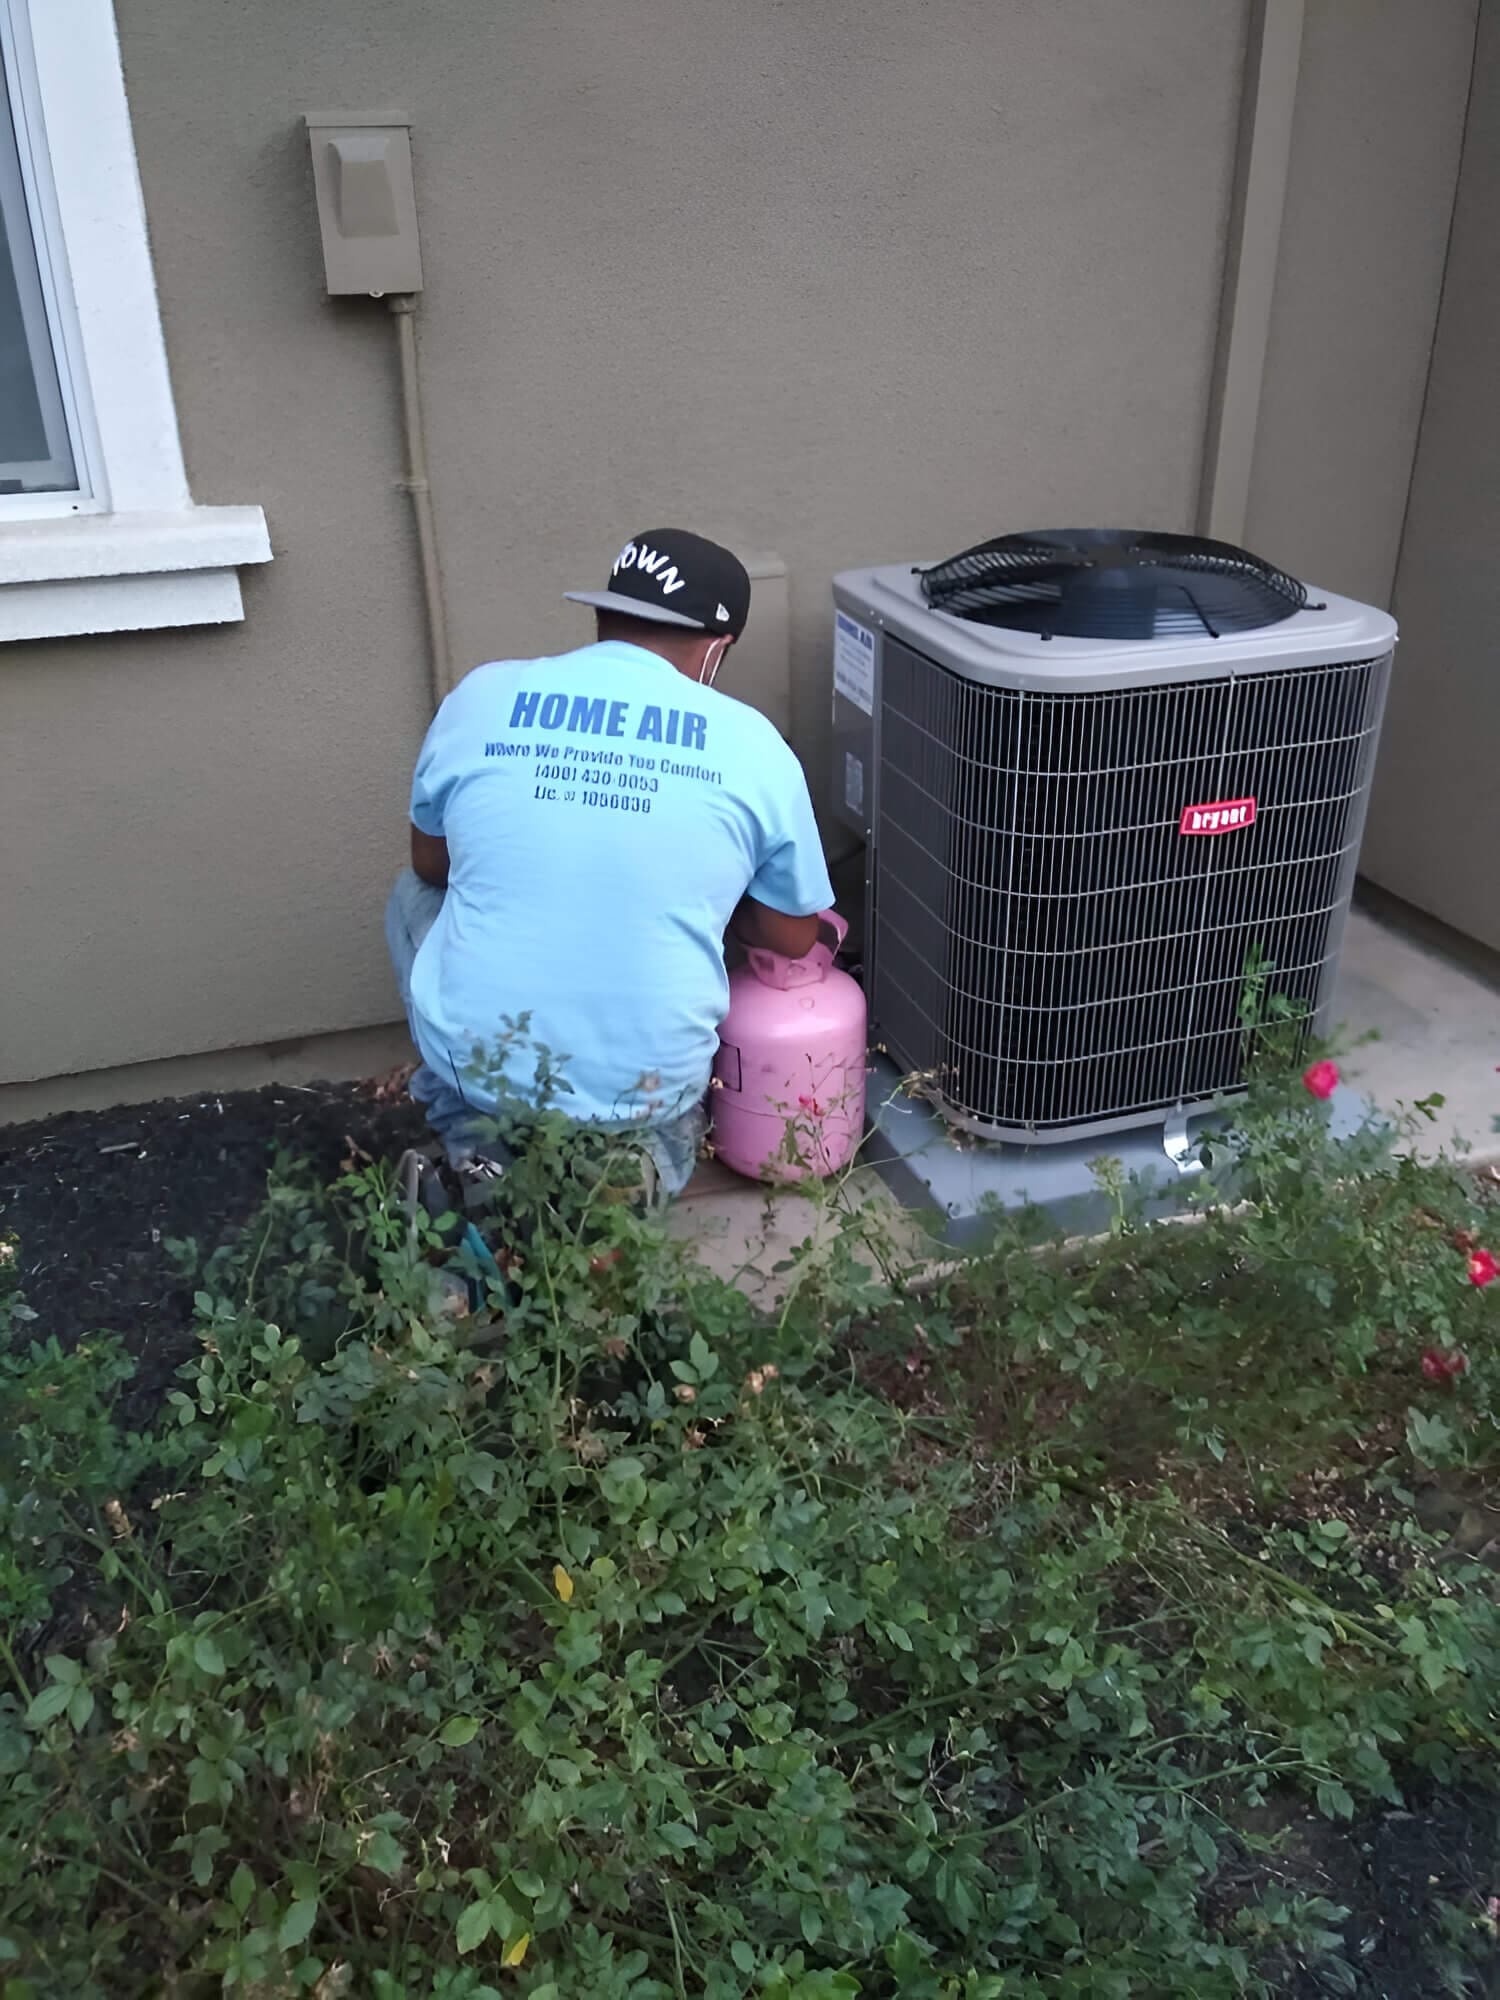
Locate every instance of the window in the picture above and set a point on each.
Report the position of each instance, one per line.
(37, 429)
(42, 448)
(98, 531)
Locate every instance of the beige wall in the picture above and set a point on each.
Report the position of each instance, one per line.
(1434, 828)
(1375, 148)
(849, 281)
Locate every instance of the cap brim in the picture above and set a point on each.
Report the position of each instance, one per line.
(632, 607)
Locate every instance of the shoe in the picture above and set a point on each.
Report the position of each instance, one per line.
(479, 1179)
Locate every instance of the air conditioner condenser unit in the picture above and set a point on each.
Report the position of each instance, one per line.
(1111, 784)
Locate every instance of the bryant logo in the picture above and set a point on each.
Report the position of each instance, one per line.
(1223, 816)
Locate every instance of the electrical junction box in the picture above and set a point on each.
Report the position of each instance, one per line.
(367, 204)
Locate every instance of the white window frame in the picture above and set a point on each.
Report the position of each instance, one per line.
(128, 550)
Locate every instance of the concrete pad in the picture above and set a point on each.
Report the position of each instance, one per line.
(743, 1231)
(1436, 1021)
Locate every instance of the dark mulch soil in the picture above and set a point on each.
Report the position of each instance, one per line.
(93, 1197)
(1416, 1883)
(1397, 1874)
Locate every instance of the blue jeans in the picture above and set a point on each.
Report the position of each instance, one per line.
(409, 915)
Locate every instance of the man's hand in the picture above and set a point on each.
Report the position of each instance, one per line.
(763, 929)
(429, 857)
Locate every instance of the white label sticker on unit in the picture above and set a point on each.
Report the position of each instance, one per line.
(854, 662)
(854, 782)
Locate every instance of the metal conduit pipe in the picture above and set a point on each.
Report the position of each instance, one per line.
(403, 306)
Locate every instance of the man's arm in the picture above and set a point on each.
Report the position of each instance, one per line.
(429, 857)
(763, 929)
(790, 873)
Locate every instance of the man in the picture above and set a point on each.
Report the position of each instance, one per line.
(584, 830)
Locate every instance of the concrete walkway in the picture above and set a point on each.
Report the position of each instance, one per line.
(1437, 1029)
(1434, 1024)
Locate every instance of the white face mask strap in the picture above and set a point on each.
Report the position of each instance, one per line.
(713, 659)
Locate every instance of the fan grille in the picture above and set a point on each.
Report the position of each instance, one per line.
(1105, 583)
(1047, 941)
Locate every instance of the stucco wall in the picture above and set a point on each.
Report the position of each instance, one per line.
(850, 281)
(1375, 148)
(1434, 826)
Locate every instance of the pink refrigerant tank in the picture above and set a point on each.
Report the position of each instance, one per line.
(789, 1085)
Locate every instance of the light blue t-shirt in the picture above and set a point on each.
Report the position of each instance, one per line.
(604, 815)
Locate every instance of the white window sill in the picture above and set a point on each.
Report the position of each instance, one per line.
(129, 572)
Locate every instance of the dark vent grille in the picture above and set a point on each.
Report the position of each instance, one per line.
(1113, 583)
(1048, 942)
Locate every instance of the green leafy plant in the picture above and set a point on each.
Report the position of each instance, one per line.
(947, 1637)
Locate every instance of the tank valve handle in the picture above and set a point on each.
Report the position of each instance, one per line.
(771, 969)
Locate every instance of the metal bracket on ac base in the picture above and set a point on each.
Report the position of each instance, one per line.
(962, 1182)
(1178, 1143)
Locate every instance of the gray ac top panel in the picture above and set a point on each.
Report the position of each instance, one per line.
(890, 599)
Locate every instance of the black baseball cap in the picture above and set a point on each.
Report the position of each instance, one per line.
(673, 578)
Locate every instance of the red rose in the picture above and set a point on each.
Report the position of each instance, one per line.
(1441, 1364)
(1322, 1080)
(1483, 1268)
